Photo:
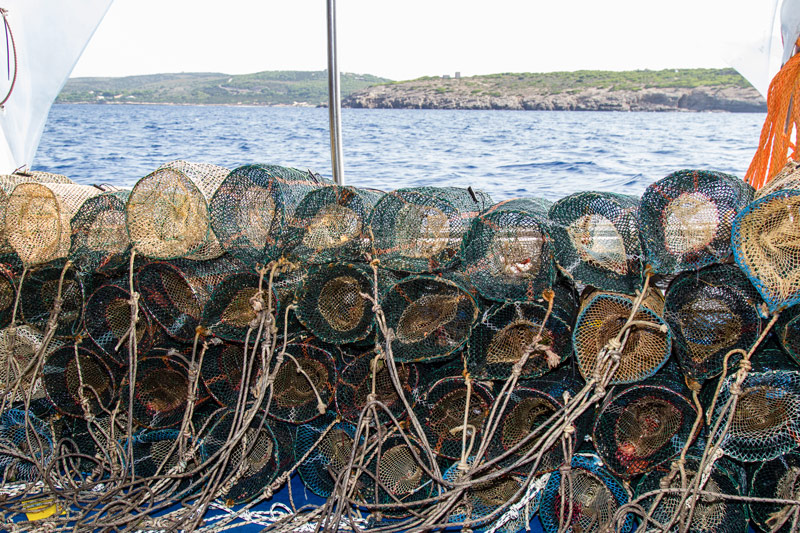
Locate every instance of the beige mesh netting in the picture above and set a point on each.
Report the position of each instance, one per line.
(37, 219)
(18, 348)
(787, 178)
(168, 215)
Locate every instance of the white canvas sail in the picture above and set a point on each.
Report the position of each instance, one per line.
(49, 37)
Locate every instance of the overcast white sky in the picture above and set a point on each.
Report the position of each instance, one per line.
(403, 39)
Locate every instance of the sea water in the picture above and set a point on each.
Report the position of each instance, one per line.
(506, 153)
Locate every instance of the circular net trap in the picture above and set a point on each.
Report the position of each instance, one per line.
(39, 176)
(442, 414)
(330, 302)
(252, 210)
(643, 426)
(712, 514)
(685, 219)
(26, 446)
(431, 316)
(37, 219)
(18, 348)
(603, 317)
(155, 453)
(329, 458)
(167, 212)
(481, 499)
(508, 251)
(107, 319)
(590, 497)
(304, 383)
(176, 292)
(161, 390)
(528, 411)
(765, 422)
(417, 230)
(787, 178)
(78, 382)
(711, 312)
(99, 241)
(229, 311)
(330, 224)
(776, 479)
(8, 292)
(355, 386)
(766, 246)
(222, 373)
(596, 236)
(396, 476)
(254, 461)
(38, 295)
(787, 332)
(507, 332)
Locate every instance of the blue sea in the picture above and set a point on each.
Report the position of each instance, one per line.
(506, 153)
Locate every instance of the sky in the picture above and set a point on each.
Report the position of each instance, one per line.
(406, 39)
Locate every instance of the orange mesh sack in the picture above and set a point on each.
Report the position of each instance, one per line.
(686, 217)
(596, 238)
(37, 219)
(711, 312)
(100, 240)
(253, 209)
(647, 346)
(167, 211)
(508, 252)
(431, 316)
(420, 229)
(506, 332)
(766, 246)
(330, 224)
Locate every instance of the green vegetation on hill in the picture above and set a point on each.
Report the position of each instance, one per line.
(557, 82)
(261, 88)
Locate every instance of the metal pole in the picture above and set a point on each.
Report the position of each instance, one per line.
(334, 98)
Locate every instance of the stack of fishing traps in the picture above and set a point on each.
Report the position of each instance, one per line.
(420, 359)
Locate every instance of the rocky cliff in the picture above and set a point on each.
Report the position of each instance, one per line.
(491, 93)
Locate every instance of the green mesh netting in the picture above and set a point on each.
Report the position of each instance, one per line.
(256, 458)
(787, 331)
(253, 209)
(355, 385)
(167, 213)
(602, 317)
(482, 499)
(221, 371)
(230, 311)
(38, 294)
(107, 320)
(37, 219)
(78, 382)
(420, 230)
(711, 312)
(304, 383)
(528, 410)
(778, 479)
(685, 219)
(442, 414)
(18, 348)
(155, 451)
(100, 240)
(176, 292)
(590, 498)
(764, 424)
(330, 224)
(644, 425)
(506, 332)
(766, 246)
(161, 391)
(330, 301)
(431, 317)
(596, 237)
(712, 514)
(329, 458)
(508, 251)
